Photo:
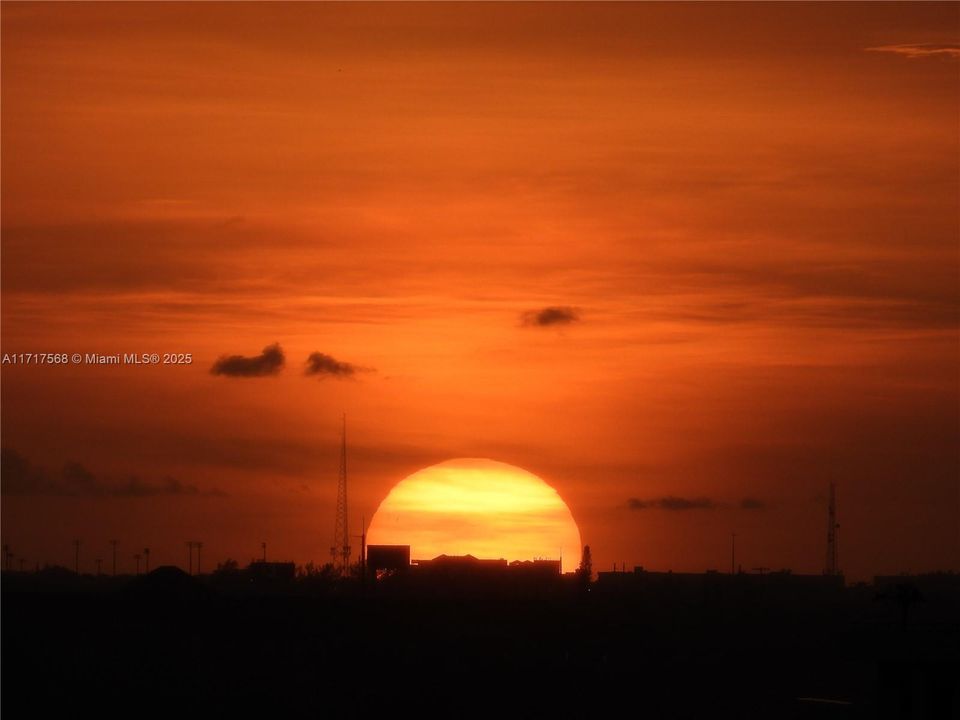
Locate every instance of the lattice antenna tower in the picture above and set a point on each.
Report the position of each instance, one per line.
(340, 551)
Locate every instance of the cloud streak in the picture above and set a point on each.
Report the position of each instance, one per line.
(269, 362)
(550, 316)
(75, 480)
(914, 51)
(671, 502)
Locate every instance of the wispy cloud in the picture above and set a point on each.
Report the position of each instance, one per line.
(670, 502)
(74, 480)
(323, 365)
(554, 315)
(919, 50)
(269, 362)
(752, 504)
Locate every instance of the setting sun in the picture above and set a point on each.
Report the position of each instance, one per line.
(478, 507)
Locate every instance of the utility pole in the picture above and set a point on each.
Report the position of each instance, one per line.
(363, 549)
(113, 544)
(832, 565)
(733, 553)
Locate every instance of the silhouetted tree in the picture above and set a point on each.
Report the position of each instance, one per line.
(227, 567)
(585, 571)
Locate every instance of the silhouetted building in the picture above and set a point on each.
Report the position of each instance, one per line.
(535, 568)
(461, 566)
(388, 558)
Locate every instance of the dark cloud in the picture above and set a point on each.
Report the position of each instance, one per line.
(269, 362)
(670, 502)
(752, 504)
(75, 480)
(324, 365)
(554, 315)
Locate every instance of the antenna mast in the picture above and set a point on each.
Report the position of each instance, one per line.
(340, 551)
(832, 566)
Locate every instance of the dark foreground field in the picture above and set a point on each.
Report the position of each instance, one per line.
(172, 645)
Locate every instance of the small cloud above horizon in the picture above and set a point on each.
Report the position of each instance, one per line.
(269, 362)
(550, 316)
(322, 365)
(671, 502)
(913, 51)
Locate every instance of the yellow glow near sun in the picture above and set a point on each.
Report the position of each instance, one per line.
(479, 507)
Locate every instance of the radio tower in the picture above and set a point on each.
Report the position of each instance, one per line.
(340, 551)
(832, 567)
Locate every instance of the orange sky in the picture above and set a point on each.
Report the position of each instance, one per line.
(750, 214)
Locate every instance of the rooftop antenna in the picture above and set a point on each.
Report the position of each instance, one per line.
(832, 565)
(340, 551)
(113, 544)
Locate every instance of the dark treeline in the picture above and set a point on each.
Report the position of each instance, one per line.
(318, 646)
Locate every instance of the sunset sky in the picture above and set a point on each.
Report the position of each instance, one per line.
(688, 263)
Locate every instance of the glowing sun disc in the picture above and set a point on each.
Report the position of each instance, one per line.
(479, 507)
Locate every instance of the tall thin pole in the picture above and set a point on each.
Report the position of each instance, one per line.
(362, 561)
(733, 553)
(832, 564)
